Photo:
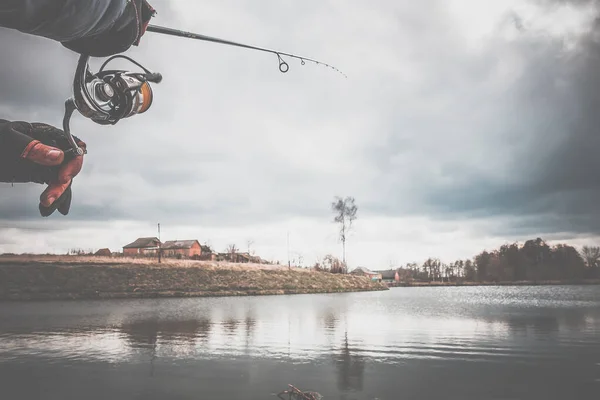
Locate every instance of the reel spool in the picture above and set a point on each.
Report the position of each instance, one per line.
(108, 96)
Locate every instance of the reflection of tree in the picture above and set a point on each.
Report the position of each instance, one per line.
(537, 323)
(573, 319)
(249, 325)
(350, 368)
(231, 325)
(330, 321)
(141, 334)
(577, 319)
(145, 333)
(185, 331)
(203, 330)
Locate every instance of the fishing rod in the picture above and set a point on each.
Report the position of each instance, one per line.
(108, 96)
(283, 66)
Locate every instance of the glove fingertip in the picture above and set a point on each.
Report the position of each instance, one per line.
(46, 211)
(65, 205)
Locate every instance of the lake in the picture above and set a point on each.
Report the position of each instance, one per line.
(540, 342)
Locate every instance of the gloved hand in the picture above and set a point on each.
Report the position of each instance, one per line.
(127, 31)
(33, 152)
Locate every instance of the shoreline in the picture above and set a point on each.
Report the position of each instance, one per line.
(169, 295)
(573, 282)
(79, 279)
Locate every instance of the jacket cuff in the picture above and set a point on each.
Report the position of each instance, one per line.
(13, 144)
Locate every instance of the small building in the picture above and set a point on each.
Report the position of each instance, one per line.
(182, 248)
(103, 253)
(142, 247)
(374, 276)
(390, 275)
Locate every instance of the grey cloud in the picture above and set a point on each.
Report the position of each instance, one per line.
(35, 72)
(540, 144)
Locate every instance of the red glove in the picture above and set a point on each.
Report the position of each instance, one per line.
(33, 152)
(50, 156)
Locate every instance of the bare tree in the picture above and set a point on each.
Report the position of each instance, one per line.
(232, 249)
(591, 255)
(345, 213)
(331, 264)
(433, 268)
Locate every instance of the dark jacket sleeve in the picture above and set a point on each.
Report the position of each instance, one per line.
(98, 28)
(61, 20)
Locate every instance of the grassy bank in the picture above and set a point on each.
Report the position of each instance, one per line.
(507, 283)
(71, 277)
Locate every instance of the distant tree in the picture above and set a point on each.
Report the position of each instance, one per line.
(567, 262)
(470, 271)
(249, 243)
(80, 252)
(413, 268)
(482, 264)
(332, 264)
(345, 213)
(232, 249)
(591, 256)
(432, 267)
(206, 248)
(534, 260)
(448, 271)
(459, 266)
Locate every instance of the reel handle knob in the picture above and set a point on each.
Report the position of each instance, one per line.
(155, 77)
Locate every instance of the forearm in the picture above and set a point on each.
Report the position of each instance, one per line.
(13, 145)
(61, 20)
(12, 142)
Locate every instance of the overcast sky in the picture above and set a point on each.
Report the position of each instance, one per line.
(462, 125)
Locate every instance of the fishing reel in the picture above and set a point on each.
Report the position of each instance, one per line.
(107, 96)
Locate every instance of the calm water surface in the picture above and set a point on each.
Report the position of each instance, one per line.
(407, 343)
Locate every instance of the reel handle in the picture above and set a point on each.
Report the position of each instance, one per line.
(75, 150)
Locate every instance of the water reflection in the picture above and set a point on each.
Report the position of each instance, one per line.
(547, 321)
(249, 327)
(141, 334)
(231, 326)
(535, 324)
(349, 330)
(329, 320)
(203, 329)
(350, 368)
(476, 342)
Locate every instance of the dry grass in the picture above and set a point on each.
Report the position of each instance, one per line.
(166, 262)
(77, 277)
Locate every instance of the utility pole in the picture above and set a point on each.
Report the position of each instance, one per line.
(159, 243)
(288, 251)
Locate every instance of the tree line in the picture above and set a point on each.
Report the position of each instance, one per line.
(534, 260)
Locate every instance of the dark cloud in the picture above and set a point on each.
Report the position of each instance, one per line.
(537, 155)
